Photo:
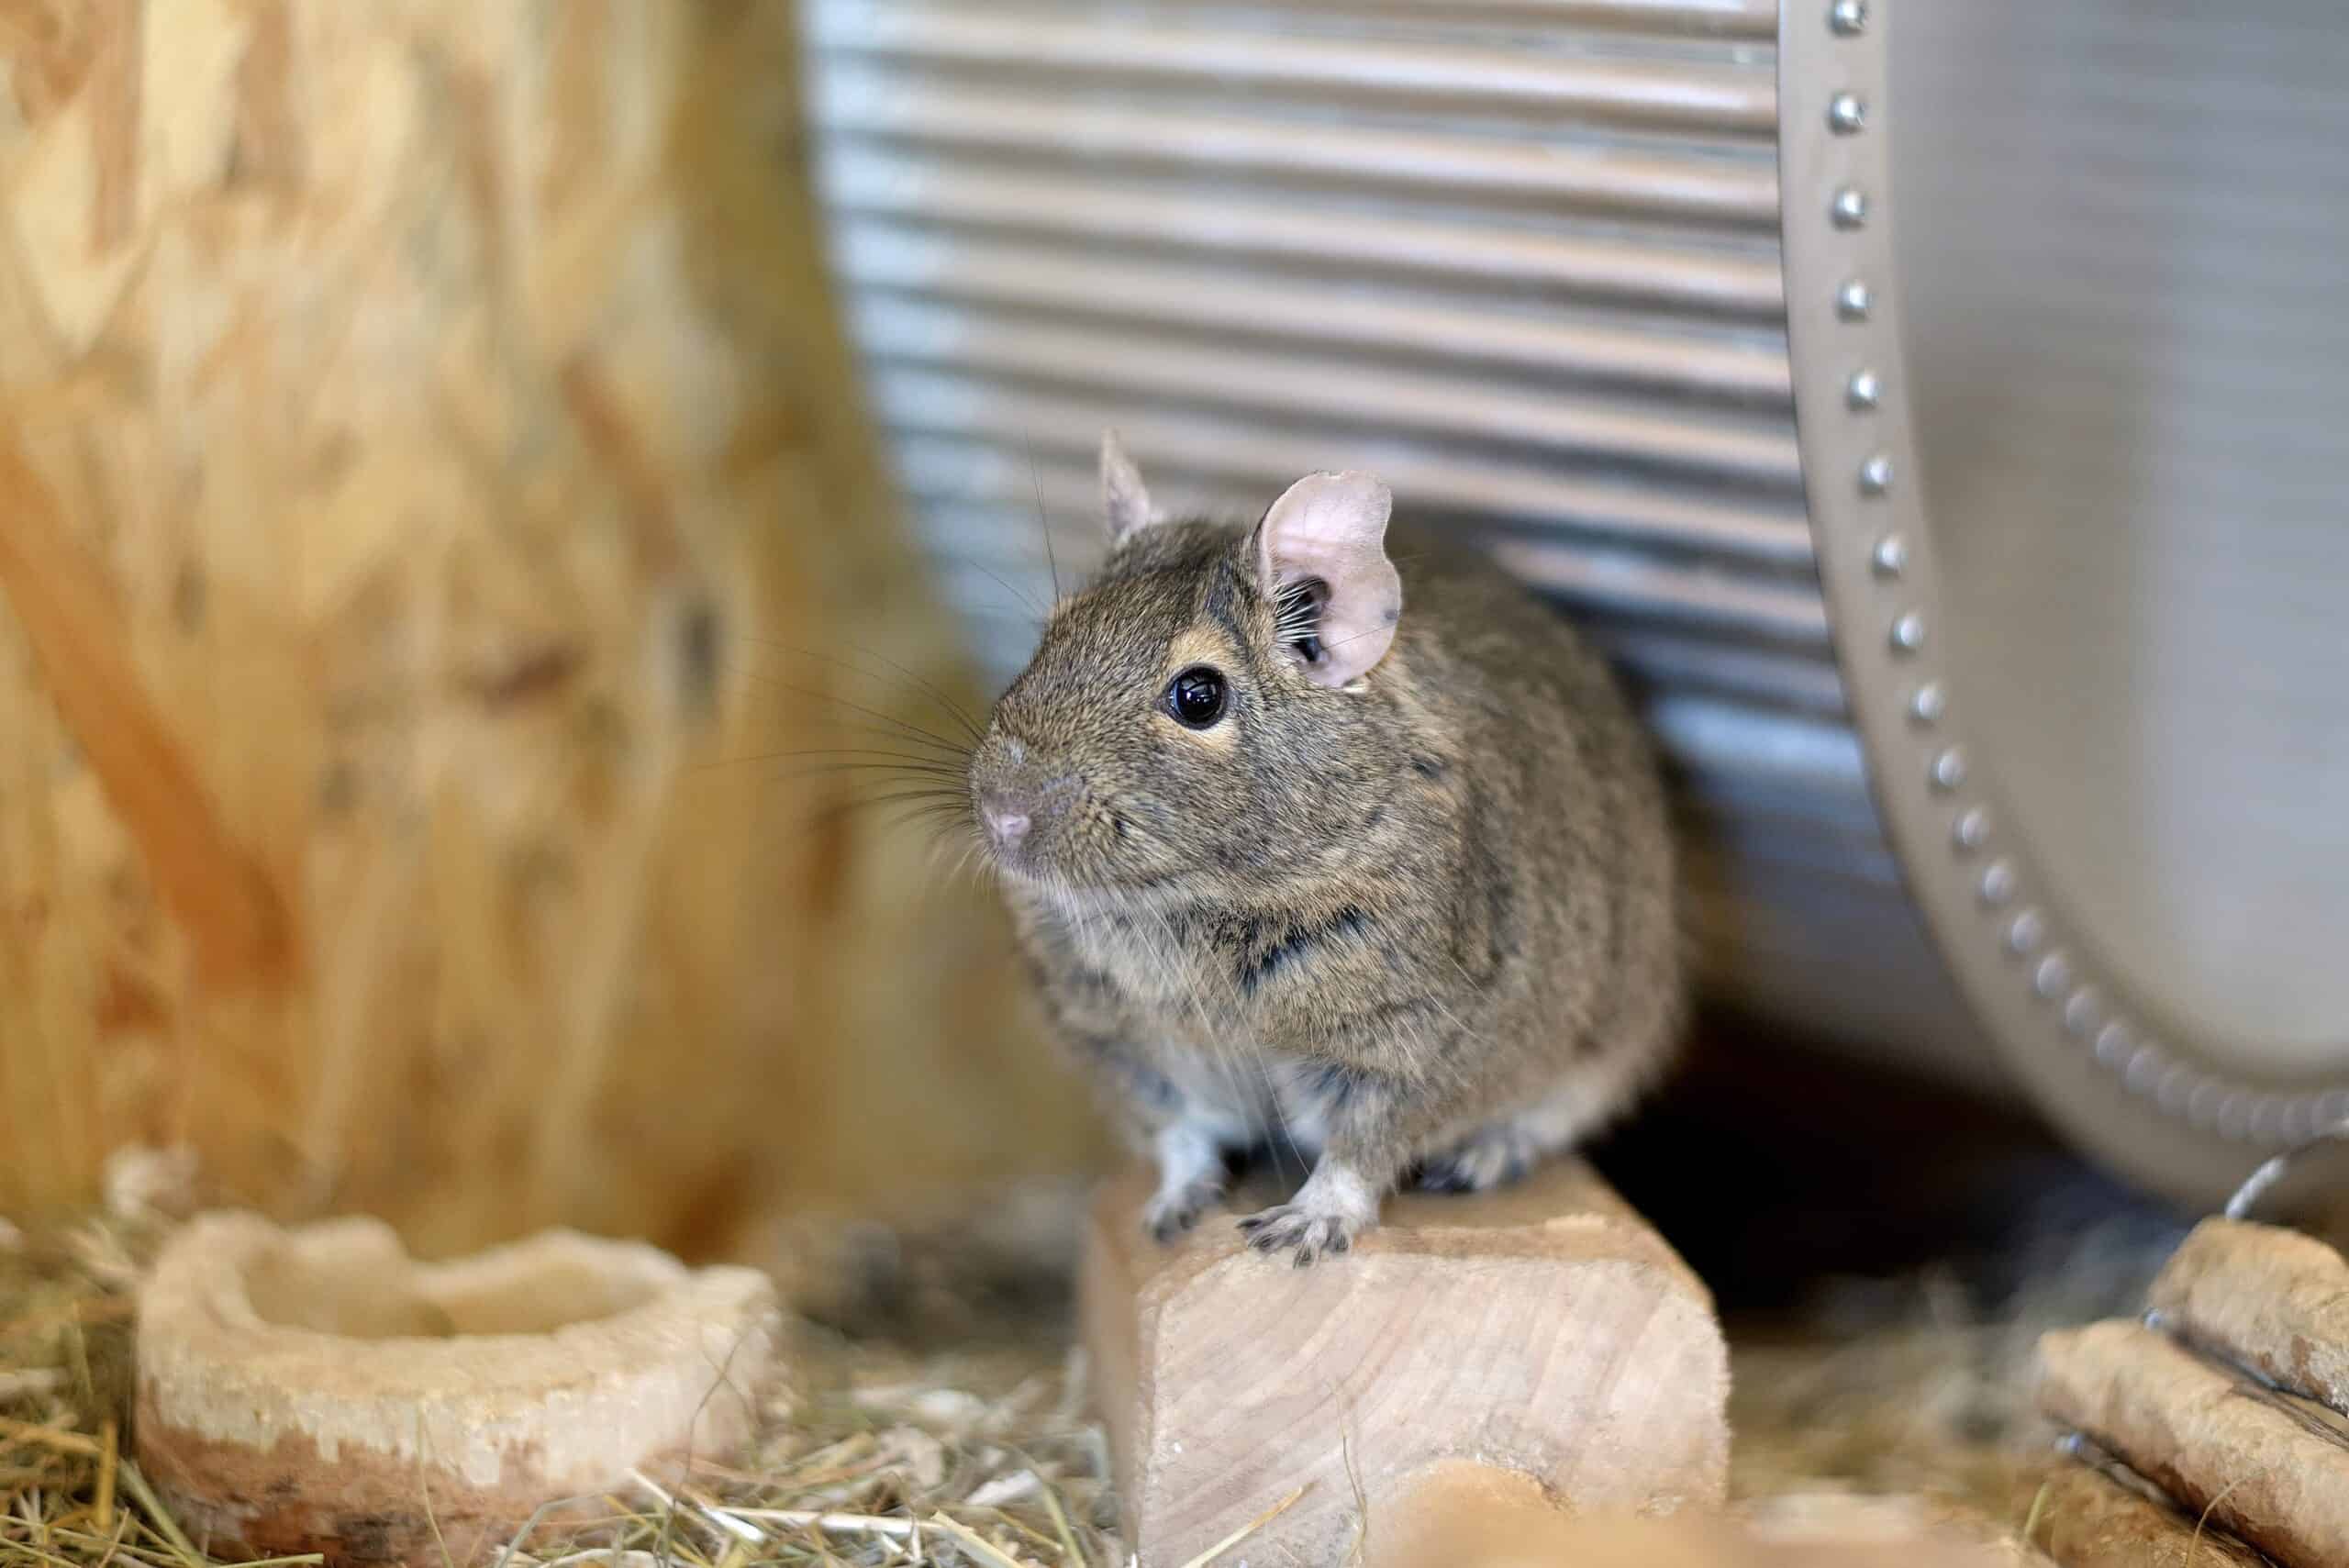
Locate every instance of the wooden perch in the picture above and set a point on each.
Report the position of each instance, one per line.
(1543, 1339)
(2270, 1299)
(1463, 1515)
(2088, 1519)
(2268, 1467)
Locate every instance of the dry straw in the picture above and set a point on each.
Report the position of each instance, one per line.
(878, 1458)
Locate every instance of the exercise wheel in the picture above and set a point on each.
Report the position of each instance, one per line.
(1939, 408)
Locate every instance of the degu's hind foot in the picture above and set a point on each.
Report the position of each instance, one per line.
(1493, 1156)
(1490, 1157)
(1507, 1150)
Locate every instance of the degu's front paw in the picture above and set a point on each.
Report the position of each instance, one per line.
(1301, 1232)
(1175, 1209)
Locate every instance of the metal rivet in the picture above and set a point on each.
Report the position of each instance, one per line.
(2145, 1070)
(2203, 1105)
(1846, 114)
(1850, 207)
(2267, 1118)
(2113, 1045)
(1876, 475)
(1908, 633)
(1926, 705)
(2054, 976)
(1890, 556)
(2025, 933)
(2299, 1121)
(2080, 1013)
(1972, 828)
(2176, 1086)
(1864, 391)
(1998, 883)
(1854, 299)
(2333, 1107)
(1848, 18)
(2235, 1116)
(1949, 768)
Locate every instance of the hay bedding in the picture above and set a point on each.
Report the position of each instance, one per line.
(962, 1438)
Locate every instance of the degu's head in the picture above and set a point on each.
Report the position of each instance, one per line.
(1194, 710)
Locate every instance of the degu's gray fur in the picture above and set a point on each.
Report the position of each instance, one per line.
(1406, 906)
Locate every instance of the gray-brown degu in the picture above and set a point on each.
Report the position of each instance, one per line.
(1316, 844)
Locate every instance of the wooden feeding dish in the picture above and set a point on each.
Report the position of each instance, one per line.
(316, 1390)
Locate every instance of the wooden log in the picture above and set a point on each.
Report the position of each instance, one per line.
(2088, 1520)
(2268, 1467)
(1544, 1332)
(1459, 1514)
(2268, 1299)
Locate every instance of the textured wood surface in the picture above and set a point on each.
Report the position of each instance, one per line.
(433, 502)
(1459, 1514)
(2269, 1467)
(2268, 1299)
(2087, 1519)
(1544, 1330)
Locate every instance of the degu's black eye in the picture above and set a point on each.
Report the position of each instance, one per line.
(1196, 698)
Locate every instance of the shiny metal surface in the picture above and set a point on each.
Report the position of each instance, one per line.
(2108, 322)
(1522, 255)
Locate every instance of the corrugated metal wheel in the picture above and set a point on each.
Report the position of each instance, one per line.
(2065, 299)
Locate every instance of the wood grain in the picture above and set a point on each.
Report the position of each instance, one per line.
(438, 521)
(1543, 1331)
(2269, 1467)
(2265, 1297)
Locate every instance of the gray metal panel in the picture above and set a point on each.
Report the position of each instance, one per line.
(1519, 256)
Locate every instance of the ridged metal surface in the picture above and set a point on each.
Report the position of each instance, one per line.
(1520, 256)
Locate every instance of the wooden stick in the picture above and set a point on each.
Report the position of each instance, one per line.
(2268, 1467)
(2267, 1298)
(2088, 1519)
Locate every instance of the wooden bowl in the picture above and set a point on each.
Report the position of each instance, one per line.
(317, 1390)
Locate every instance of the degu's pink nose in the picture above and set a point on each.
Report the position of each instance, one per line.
(1006, 824)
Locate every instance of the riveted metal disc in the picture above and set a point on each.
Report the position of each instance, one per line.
(2095, 285)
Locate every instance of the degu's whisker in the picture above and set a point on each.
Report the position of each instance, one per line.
(1043, 520)
(1037, 613)
(909, 680)
(838, 810)
(908, 760)
(911, 731)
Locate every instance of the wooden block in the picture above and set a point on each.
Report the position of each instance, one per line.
(2088, 1519)
(1463, 1515)
(1544, 1331)
(2268, 1467)
(2271, 1299)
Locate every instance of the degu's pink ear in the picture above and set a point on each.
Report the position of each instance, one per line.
(1124, 501)
(1331, 528)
